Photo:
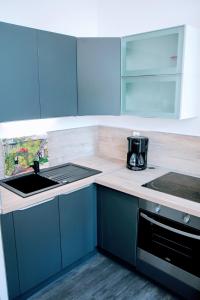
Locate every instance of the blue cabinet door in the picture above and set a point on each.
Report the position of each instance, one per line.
(38, 243)
(98, 69)
(57, 74)
(117, 222)
(19, 90)
(10, 255)
(77, 224)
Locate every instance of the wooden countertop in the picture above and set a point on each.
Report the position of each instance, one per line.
(114, 175)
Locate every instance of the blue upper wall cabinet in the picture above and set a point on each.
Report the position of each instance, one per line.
(57, 74)
(19, 91)
(37, 74)
(98, 69)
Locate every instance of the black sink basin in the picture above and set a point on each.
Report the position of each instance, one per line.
(30, 183)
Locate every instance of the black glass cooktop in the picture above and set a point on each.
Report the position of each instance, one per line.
(176, 184)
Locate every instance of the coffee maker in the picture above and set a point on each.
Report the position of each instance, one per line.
(137, 152)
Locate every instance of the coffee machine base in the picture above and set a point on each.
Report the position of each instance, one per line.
(135, 168)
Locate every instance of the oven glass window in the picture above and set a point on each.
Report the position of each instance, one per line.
(179, 250)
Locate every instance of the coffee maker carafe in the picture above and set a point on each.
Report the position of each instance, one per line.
(137, 152)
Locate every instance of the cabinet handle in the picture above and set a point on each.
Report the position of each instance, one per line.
(177, 231)
(35, 204)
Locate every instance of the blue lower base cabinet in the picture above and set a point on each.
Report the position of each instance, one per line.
(77, 224)
(10, 255)
(38, 243)
(117, 223)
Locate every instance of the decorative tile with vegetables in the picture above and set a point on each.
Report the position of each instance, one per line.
(19, 153)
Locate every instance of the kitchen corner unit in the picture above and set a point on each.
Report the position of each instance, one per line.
(99, 210)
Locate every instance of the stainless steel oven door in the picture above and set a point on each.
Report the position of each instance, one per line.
(170, 247)
(169, 269)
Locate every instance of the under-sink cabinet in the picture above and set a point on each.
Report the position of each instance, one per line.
(37, 243)
(10, 255)
(117, 223)
(77, 224)
(31, 241)
(43, 241)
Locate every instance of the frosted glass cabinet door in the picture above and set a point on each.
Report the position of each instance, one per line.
(157, 52)
(151, 96)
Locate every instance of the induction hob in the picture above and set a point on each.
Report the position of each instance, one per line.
(184, 186)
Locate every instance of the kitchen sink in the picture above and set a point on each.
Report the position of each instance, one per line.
(30, 184)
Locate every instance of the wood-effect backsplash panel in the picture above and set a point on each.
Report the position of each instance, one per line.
(69, 144)
(173, 151)
(112, 142)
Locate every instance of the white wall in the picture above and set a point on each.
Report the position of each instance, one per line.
(103, 18)
(73, 17)
(31, 127)
(25, 128)
(124, 17)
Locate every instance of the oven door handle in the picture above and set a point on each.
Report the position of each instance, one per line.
(189, 235)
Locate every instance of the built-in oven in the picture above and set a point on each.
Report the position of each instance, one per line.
(169, 248)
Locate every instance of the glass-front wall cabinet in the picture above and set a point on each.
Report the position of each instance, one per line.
(157, 52)
(152, 64)
(151, 96)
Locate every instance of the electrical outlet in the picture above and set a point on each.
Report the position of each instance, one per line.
(136, 133)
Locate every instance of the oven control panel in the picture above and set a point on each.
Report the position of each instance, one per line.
(170, 213)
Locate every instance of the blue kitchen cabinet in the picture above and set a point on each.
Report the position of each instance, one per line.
(153, 53)
(57, 74)
(77, 224)
(19, 89)
(10, 255)
(38, 243)
(98, 69)
(117, 223)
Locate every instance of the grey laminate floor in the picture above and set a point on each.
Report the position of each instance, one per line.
(100, 278)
